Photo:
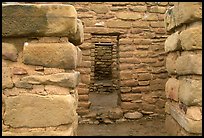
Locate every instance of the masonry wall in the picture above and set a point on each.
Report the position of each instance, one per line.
(184, 66)
(39, 77)
(138, 30)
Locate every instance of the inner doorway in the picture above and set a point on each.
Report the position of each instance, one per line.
(104, 88)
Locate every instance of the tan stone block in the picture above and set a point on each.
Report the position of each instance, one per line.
(189, 64)
(172, 43)
(6, 78)
(129, 106)
(99, 8)
(60, 55)
(69, 80)
(188, 124)
(83, 98)
(79, 56)
(40, 20)
(140, 89)
(183, 15)
(84, 104)
(150, 17)
(78, 37)
(126, 75)
(130, 60)
(9, 52)
(157, 9)
(85, 78)
(144, 76)
(129, 83)
(56, 90)
(140, 24)
(128, 15)
(171, 62)
(49, 71)
(190, 92)
(130, 96)
(172, 89)
(138, 8)
(191, 38)
(39, 111)
(118, 24)
(194, 112)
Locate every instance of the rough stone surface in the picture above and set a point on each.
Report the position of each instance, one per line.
(172, 88)
(65, 55)
(187, 123)
(78, 37)
(194, 113)
(128, 16)
(190, 92)
(39, 111)
(115, 113)
(134, 115)
(189, 64)
(38, 20)
(172, 43)
(9, 52)
(191, 38)
(171, 63)
(69, 80)
(6, 78)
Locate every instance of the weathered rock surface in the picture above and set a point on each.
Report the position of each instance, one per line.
(39, 111)
(134, 115)
(6, 78)
(9, 52)
(38, 20)
(69, 80)
(59, 55)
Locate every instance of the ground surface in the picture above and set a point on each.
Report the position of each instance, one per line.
(142, 127)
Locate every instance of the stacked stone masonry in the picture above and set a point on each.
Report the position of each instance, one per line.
(137, 32)
(184, 65)
(40, 55)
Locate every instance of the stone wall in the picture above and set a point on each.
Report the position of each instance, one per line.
(184, 66)
(137, 31)
(39, 77)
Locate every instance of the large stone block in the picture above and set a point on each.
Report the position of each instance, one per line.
(172, 43)
(189, 63)
(118, 24)
(39, 111)
(68, 80)
(171, 62)
(78, 37)
(180, 14)
(190, 92)
(99, 8)
(131, 96)
(6, 78)
(188, 124)
(191, 38)
(172, 88)
(38, 20)
(9, 52)
(55, 55)
(183, 15)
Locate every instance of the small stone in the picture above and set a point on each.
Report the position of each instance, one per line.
(147, 112)
(134, 115)
(107, 121)
(19, 71)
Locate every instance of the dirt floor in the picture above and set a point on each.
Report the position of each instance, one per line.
(143, 127)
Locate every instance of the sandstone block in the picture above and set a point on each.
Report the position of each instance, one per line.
(38, 20)
(128, 16)
(134, 115)
(184, 15)
(172, 88)
(144, 76)
(194, 113)
(126, 75)
(129, 83)
(9, 52)
(138, 8)
(78, 37)
(189, 64)
(131, 96)
(39, 111)
(172, 43)
(129, 106)
(99, 8)
(191, 38)
(19, 71)
(68, 80)
(79, 56)
(150, 17)
(6, 78)
(56, 90)
(157, 9)
(59, 55)
(115, 113)
(171, 62)
(118, 24)
(188, 124)
(190, 92)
